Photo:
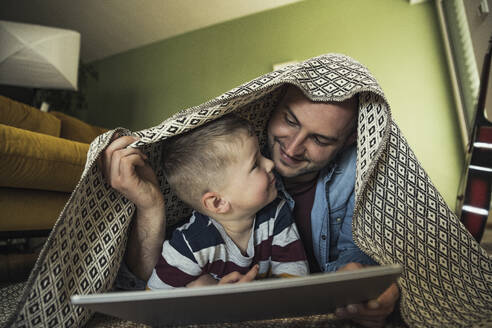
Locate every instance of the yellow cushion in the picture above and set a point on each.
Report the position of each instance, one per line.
(22, 116)
(25, 209)
(37, 161)
(75, 129)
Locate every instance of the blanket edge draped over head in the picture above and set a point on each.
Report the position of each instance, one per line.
(399, 216)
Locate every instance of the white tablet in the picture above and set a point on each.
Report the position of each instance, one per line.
(258, 300)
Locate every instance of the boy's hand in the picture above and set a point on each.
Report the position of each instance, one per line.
(236, 277)
(231, 278)
(203, 280)
(374, 312)
(126, 170)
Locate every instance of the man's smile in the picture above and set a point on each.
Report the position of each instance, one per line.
(285, 158)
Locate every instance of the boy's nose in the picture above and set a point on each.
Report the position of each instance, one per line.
(269, 165)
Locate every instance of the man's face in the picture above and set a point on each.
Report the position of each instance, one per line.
(304, 136)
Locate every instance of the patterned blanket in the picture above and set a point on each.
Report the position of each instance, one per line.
(399, 215)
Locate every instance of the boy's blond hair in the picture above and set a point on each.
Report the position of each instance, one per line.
(195, 162)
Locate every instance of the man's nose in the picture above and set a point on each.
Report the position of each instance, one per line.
(295, 146)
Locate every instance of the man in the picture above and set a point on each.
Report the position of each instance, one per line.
(313, 148)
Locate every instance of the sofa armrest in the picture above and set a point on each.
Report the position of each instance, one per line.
(23, 116)
(28, 210)
(75, 129)
(37, 161)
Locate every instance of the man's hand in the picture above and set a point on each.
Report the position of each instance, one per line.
(126, 170)
(231, 278)
(372, 314)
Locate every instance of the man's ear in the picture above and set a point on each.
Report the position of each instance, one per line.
(213, 202)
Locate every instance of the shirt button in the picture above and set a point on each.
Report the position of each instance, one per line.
(339, 219)
(323, 237)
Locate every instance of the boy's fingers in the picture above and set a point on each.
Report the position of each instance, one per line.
(230, 278)
(251, 275)
(236, 277)
(203, 280)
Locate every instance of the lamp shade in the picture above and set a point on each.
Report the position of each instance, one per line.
(38, 56)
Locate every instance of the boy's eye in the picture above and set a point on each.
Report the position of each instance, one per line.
(255, 165)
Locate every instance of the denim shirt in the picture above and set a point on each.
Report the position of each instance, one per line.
(331, 215)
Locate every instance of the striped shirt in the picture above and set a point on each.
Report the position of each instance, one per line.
(202, 246)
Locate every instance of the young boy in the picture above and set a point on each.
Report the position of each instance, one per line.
(238, 225)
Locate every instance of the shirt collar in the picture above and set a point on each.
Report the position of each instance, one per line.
(325, 176)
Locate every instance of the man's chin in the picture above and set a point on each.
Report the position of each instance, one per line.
(288, 172)
(301, 173)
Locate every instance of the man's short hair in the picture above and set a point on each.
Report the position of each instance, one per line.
(195, 162)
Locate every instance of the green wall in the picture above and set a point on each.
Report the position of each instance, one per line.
(400, 43)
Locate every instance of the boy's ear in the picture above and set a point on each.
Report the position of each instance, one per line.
(213, 202)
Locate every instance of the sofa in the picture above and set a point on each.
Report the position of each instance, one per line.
(42, 156)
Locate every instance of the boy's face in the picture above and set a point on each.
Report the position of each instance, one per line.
(249, 181)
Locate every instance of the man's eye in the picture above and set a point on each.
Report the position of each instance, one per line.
(255, 165)
(321, 143)
(290, 121)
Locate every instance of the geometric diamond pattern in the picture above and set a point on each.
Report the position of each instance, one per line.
(399, 216)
